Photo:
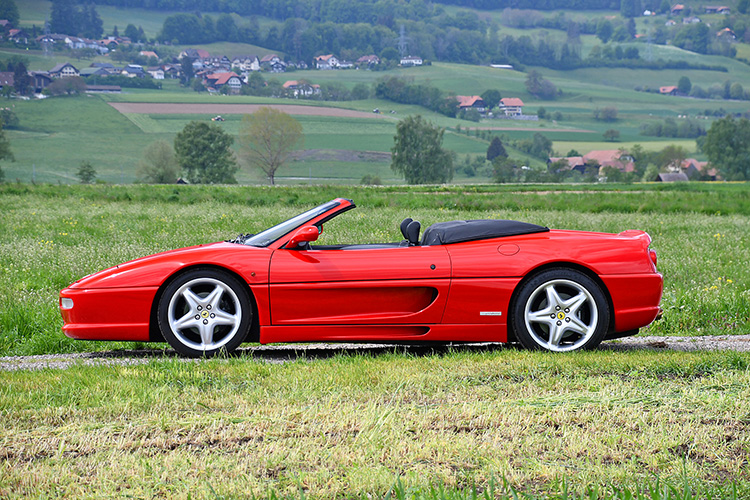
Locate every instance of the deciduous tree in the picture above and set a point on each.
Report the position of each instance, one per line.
(267, 138)
(9, 11)
(204, 152)
(727, 146)
(418, 154)
(611, 135)
(69, 85)
(684, 85)
(540, 87)
(86, 172)
(158, 165)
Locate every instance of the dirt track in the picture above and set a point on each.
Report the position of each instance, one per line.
(235, 109)
(280, 353)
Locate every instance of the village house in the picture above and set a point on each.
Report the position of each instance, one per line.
(41, 79)
(672, 177)
(149, 54)
(511, 106)
(171, 71)
(726, 35)
(717, 9)
(328, 61)
(246, 63)
(596, 161)
(215, 82)
(576, 163)
(19, 36)
(272, 63)
(94, 71)
(156, 72)
(63, 70)
(669, 90)
(369, 61)
(301, 88)
(677, 9)
(695, 169)
(471, 102)
(108, 67)
(194, 54)
(411, 61)
(74, 42)
(133, 71)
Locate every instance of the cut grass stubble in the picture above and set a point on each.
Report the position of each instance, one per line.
(351, 425)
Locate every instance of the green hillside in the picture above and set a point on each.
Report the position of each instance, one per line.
(55, 135)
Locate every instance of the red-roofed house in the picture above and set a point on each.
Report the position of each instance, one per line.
(149, 53)
(610, 158)
(717, 9)
(574, 162)
(18, 36)
(668, 90)
(471, 102)
(698, 169)
(677, 9)
(597, 161)
(217, 81)
(301, 88)
(368, 61)
(328, 61)
(194, 54)
(726, 34)
(512, 106)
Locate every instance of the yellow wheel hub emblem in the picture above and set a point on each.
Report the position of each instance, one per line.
(561, 315)
(204, 314)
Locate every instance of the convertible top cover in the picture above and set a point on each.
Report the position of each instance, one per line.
(457, 231)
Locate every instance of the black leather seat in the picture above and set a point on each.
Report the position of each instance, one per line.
(410, 229)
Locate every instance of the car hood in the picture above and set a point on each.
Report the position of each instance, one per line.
(154, 269)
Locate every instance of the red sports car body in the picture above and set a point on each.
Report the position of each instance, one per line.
(464, 281)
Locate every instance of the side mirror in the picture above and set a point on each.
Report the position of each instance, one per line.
(303, 235)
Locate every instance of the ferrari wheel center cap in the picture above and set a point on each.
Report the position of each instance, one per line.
(204, 314)
(561, 315)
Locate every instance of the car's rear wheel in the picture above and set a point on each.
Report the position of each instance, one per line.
(204, 312)
(560, 310)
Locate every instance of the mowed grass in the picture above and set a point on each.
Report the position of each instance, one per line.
(374, 425)
(53, 235)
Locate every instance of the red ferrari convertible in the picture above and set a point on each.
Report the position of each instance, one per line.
(462, 281)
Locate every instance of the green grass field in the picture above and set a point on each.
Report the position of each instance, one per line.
(448, 425)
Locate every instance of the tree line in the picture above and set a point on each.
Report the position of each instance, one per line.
(351, 9)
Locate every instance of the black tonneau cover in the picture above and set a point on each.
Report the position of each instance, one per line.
(457, 231)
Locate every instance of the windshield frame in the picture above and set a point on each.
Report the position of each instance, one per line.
(273, 234)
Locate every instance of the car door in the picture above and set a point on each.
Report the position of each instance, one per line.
(362, 286)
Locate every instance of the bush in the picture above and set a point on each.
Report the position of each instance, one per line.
(371, 180)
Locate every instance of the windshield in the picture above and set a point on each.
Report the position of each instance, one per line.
(274, 233)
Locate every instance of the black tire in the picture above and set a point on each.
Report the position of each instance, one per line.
(560, 310)
(203, 312)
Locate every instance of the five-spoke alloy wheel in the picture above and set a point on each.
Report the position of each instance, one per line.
(205, 311)
(560, 310)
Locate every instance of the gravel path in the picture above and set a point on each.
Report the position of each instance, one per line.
(287, 352)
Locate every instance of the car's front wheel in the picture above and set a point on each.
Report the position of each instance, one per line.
(560, 310)
(204, 312)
